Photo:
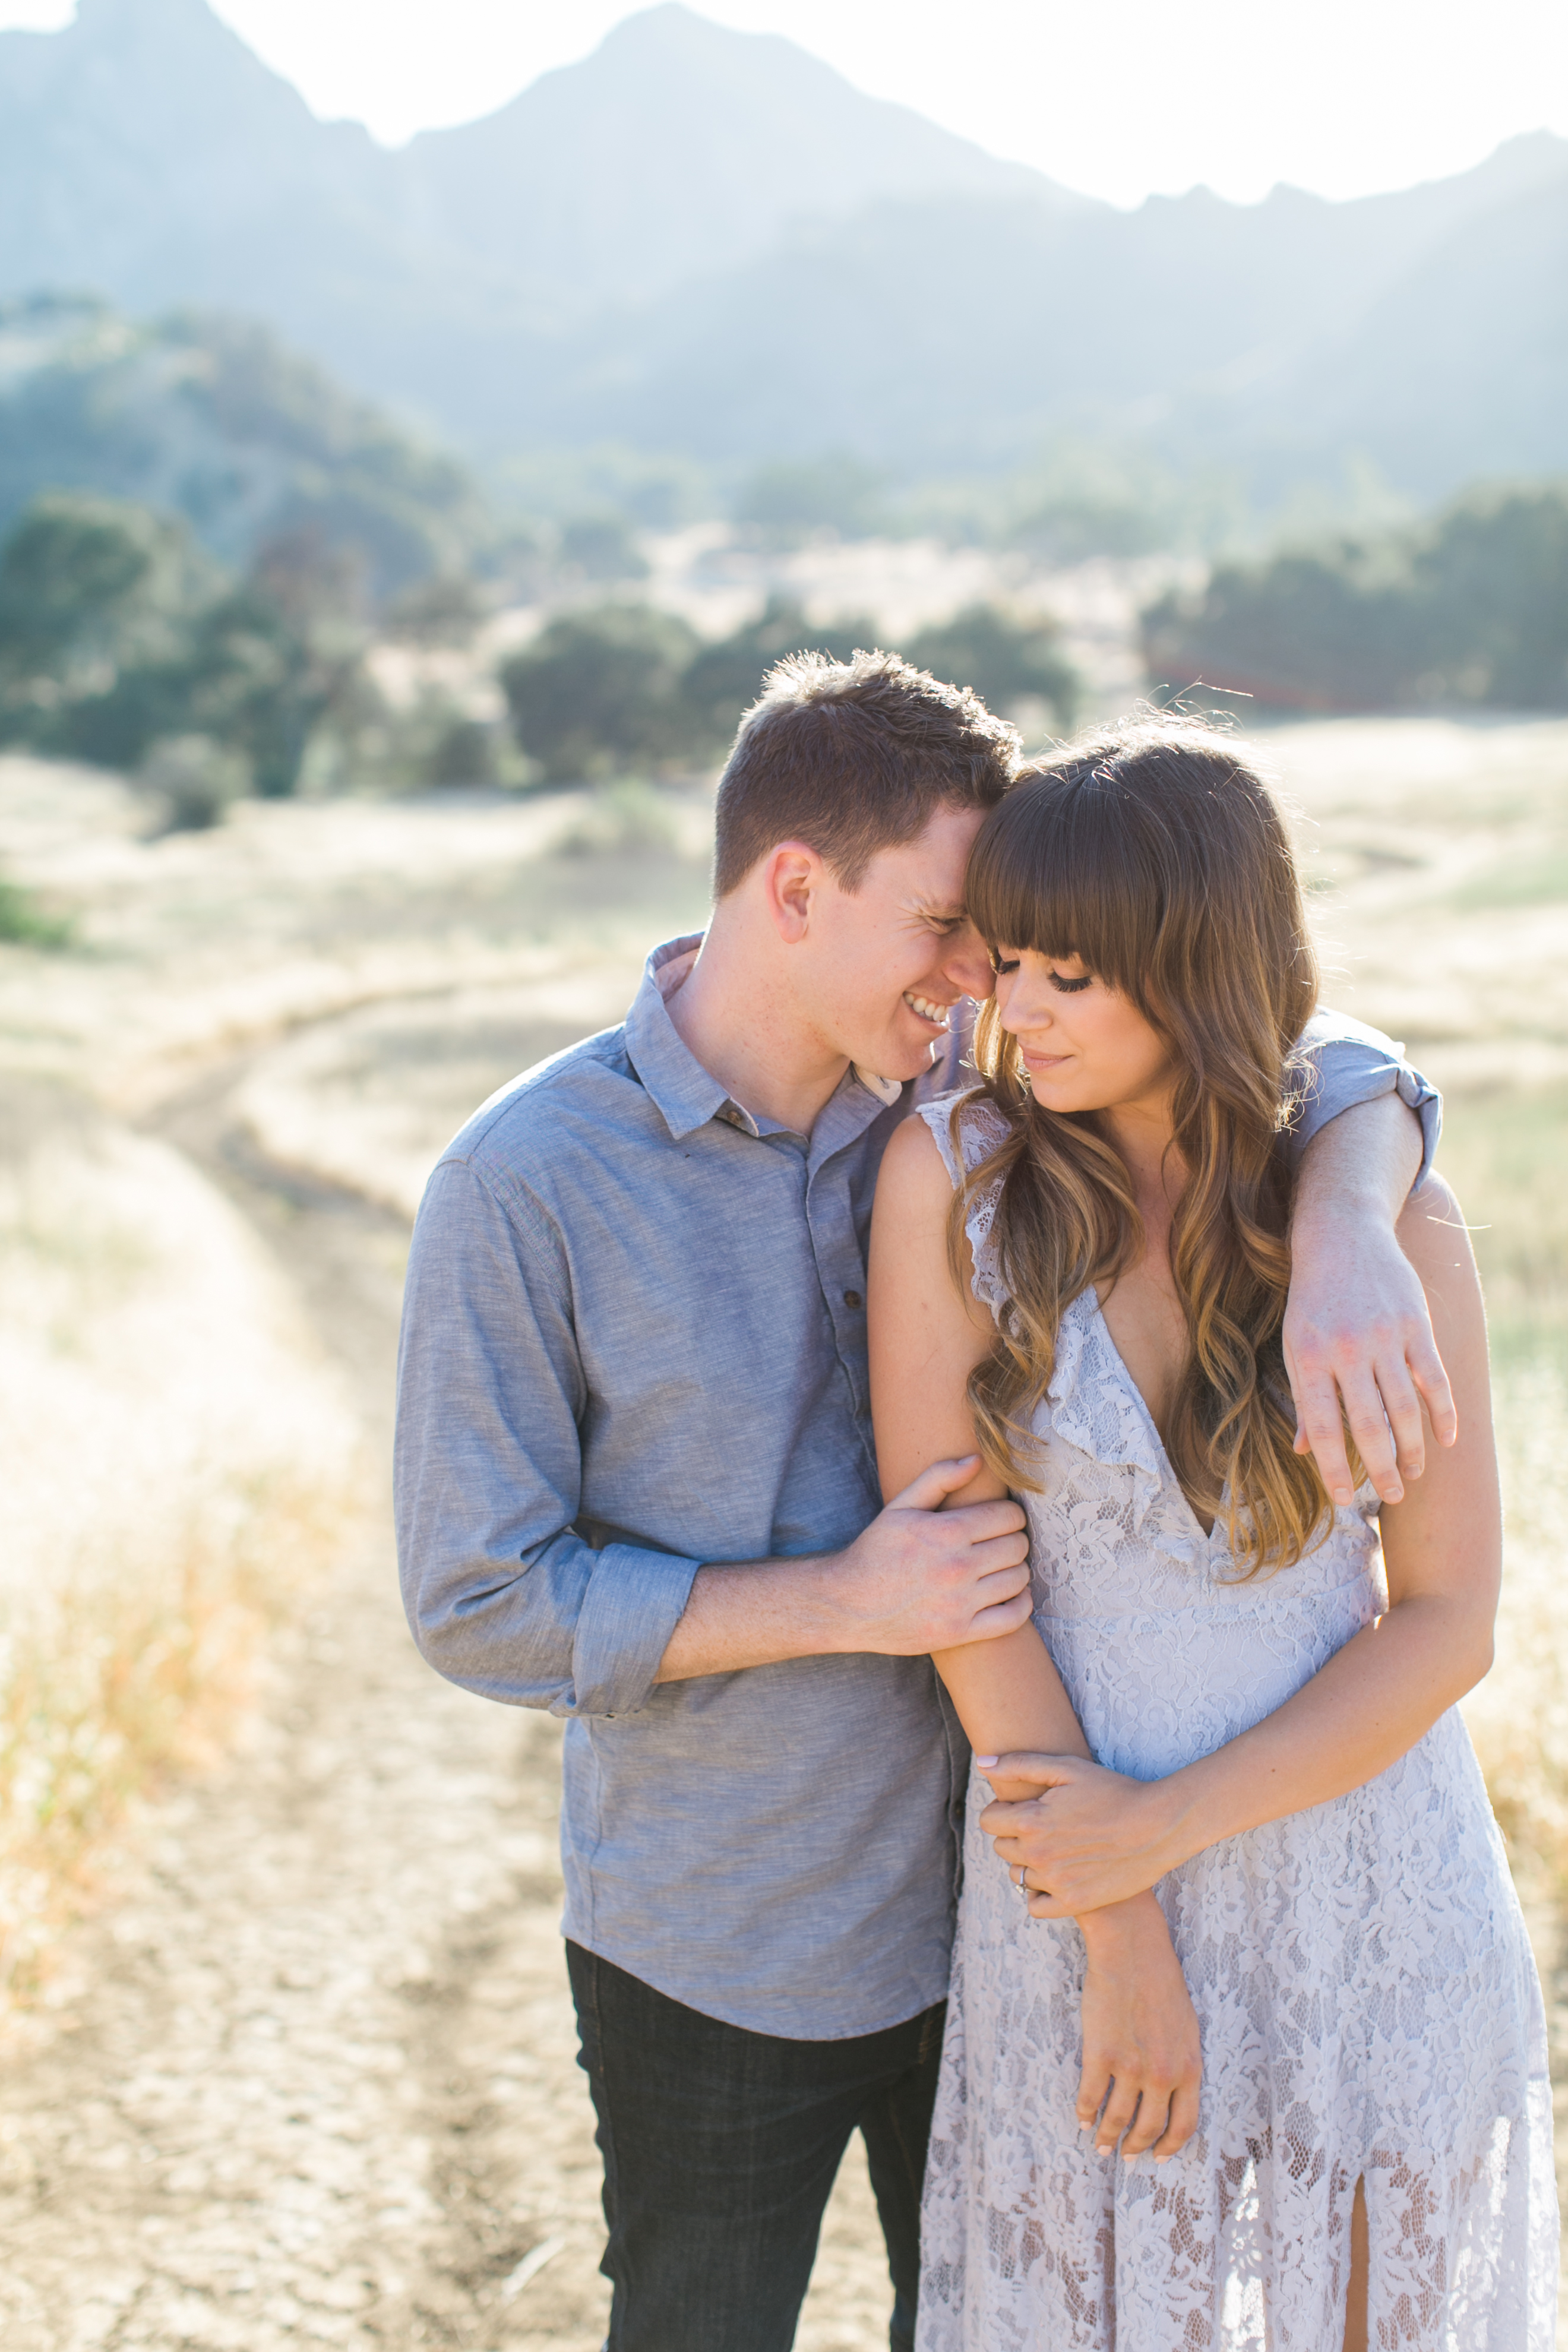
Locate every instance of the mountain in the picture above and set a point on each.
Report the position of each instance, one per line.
(147, 154)
(680, 148)
(1273, 339)
(1458, 368)
(704, 241)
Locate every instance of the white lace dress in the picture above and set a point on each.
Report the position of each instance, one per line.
(1361, 1975)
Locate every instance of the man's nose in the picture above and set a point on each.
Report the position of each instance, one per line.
(967, 964)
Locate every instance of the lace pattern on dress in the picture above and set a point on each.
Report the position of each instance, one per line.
(1363, 1981)
(982, 1127)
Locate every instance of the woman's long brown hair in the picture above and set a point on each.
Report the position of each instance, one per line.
(1159, 856)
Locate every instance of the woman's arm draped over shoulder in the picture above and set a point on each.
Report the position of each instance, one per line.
(1139, 2033)
(1095, 1837)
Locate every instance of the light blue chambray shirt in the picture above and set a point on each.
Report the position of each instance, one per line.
(635, 1341)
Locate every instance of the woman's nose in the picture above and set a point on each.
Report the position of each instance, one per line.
(1022, 1009)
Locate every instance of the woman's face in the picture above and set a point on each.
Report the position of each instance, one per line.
(1084, 1046)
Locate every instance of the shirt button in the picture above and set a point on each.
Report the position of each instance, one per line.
(852, 1299)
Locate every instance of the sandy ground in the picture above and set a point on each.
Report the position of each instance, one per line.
(308, 2074)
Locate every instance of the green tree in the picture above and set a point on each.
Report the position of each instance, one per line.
(116, 634)
(1496, 575)
(84, 583)
(1470, 606)
(602, 689)
(243, 677)
(725, 677)
(1007, 658)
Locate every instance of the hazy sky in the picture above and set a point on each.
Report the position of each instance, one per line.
(1115, 96)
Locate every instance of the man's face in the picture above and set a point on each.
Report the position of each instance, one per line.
(894, 957)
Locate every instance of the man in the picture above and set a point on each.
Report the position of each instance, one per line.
(636, 1485)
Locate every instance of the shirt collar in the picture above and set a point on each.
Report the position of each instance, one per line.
(688, 1095)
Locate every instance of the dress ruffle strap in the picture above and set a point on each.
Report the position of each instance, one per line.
(1091, 1403)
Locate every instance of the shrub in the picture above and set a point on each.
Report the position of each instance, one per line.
(243, 676)
(446, 610)
(196, 779)
(87, 584)
(725, 677)
(25, 924)
(465, 752)
(116, 632)
(602, 689)
(1469, 607)
(1007, 658)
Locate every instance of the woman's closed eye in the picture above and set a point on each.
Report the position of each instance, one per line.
(1065, 983)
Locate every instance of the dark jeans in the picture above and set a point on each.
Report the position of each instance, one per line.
(720, 2148)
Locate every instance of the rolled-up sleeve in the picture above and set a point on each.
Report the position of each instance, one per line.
(1347, 1063)
(503, 1595)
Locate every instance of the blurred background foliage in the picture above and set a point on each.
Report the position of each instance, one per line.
(501, 486)
(1469, 608)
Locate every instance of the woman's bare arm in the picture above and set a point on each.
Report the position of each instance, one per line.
(926, 1339)
(1096, 1837)
(1141, 2040)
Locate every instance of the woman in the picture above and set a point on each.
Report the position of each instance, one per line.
(1098, 1305)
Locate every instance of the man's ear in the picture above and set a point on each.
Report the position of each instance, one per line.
(791, 876)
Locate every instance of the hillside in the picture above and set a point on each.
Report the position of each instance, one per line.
(1276, 337)
(707, 241)
(213, 418)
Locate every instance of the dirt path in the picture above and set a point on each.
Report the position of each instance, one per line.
(320, 2082)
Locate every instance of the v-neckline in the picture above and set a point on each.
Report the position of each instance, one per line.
(1151, 1426)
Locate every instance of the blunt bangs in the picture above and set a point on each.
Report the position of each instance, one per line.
(1059, 868)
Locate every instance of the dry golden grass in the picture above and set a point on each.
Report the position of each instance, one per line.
(177, 1460)
(1438, 851)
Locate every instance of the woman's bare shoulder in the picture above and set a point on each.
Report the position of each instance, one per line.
(914, 1168)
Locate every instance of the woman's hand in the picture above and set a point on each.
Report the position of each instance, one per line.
(1143, 2064)
(1090, 1837)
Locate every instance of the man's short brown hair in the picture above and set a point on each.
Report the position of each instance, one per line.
(854, 757)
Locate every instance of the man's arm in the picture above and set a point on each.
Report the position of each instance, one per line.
(1356, 1324)
(506, 1599)
(503, 1596)
(920, 1578)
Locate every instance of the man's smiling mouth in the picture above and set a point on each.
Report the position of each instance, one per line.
(937, 1015)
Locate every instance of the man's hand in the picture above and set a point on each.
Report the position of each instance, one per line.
(1143, 2061)
(1357, 1328)
(1090, 1837)
(1356, 1325)
(922, 1579)
(918, 1579)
